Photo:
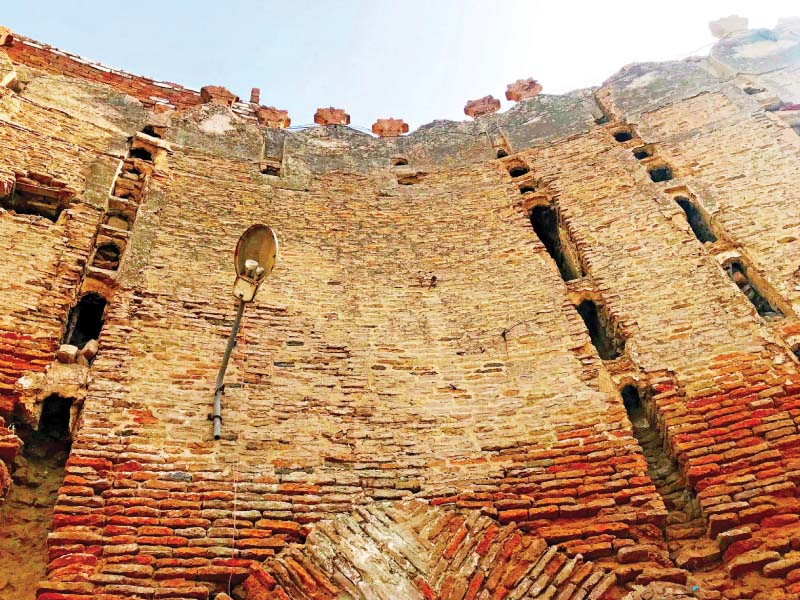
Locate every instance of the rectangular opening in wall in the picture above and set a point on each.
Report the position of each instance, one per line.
(601, 331)
(623, 135)
(553, 235)
(271, 166)
(517, 168)
(738, 274)
(697, 219)
(643, 152)
(38, 194)
(663, 470)
(85, 320)
(54, 420)
(107, 256)
(659, 173)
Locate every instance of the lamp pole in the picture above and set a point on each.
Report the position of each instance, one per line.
(254, 259)
(220, 387)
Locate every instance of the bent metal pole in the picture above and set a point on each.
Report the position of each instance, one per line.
(219, 389)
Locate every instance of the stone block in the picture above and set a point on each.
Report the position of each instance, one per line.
(481, 106)
(216, 94)
(67, 354)
(522, 89)
(272, 117)
(89, 350)
(637, 553)
(389, 127)
(780, 568)
(331, 116)
(255, 95)
(751, 561)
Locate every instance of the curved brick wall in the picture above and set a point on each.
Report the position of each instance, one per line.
(414, 342)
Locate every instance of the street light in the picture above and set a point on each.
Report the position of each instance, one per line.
(253, 259)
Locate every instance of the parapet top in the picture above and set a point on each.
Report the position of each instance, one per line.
(163, 96)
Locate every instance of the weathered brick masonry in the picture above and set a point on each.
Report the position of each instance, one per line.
(415, 407)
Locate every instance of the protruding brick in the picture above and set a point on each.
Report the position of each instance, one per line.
(6, 36)
(389, 127)
(67, 353)
(522, 89)
(751, 561)
(255, 96)
(272, 117)
(331, 116)
(216, 94)
(482, 106)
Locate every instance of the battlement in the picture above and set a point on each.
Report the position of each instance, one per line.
(728, 61)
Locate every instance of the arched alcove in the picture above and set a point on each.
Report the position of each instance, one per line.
(107, 257)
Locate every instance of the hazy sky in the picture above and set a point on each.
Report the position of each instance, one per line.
(417, 59)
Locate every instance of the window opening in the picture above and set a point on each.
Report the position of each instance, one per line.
(738, 275)
(54, 420)
(642, 153)
(38, 194)
(631, 400)
(696, 220)
(140, 153)
(501, 153)
(85, 320)
(524, 189)
(271, 170)
(148, 130)
(106, 257)
(660, 173)
(623, 136)
(544, 221)
(518, 170)
(603, 339)
(399, 161)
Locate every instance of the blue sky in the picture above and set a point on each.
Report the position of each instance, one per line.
(415, 60)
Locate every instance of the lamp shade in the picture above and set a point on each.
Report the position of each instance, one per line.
(254, 259)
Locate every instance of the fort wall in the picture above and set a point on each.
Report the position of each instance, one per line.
(432, 393)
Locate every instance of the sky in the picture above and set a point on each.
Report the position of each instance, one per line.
(417, 60)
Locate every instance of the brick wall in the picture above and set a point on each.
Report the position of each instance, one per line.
(415, 341)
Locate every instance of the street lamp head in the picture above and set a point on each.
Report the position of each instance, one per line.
(254, 259)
